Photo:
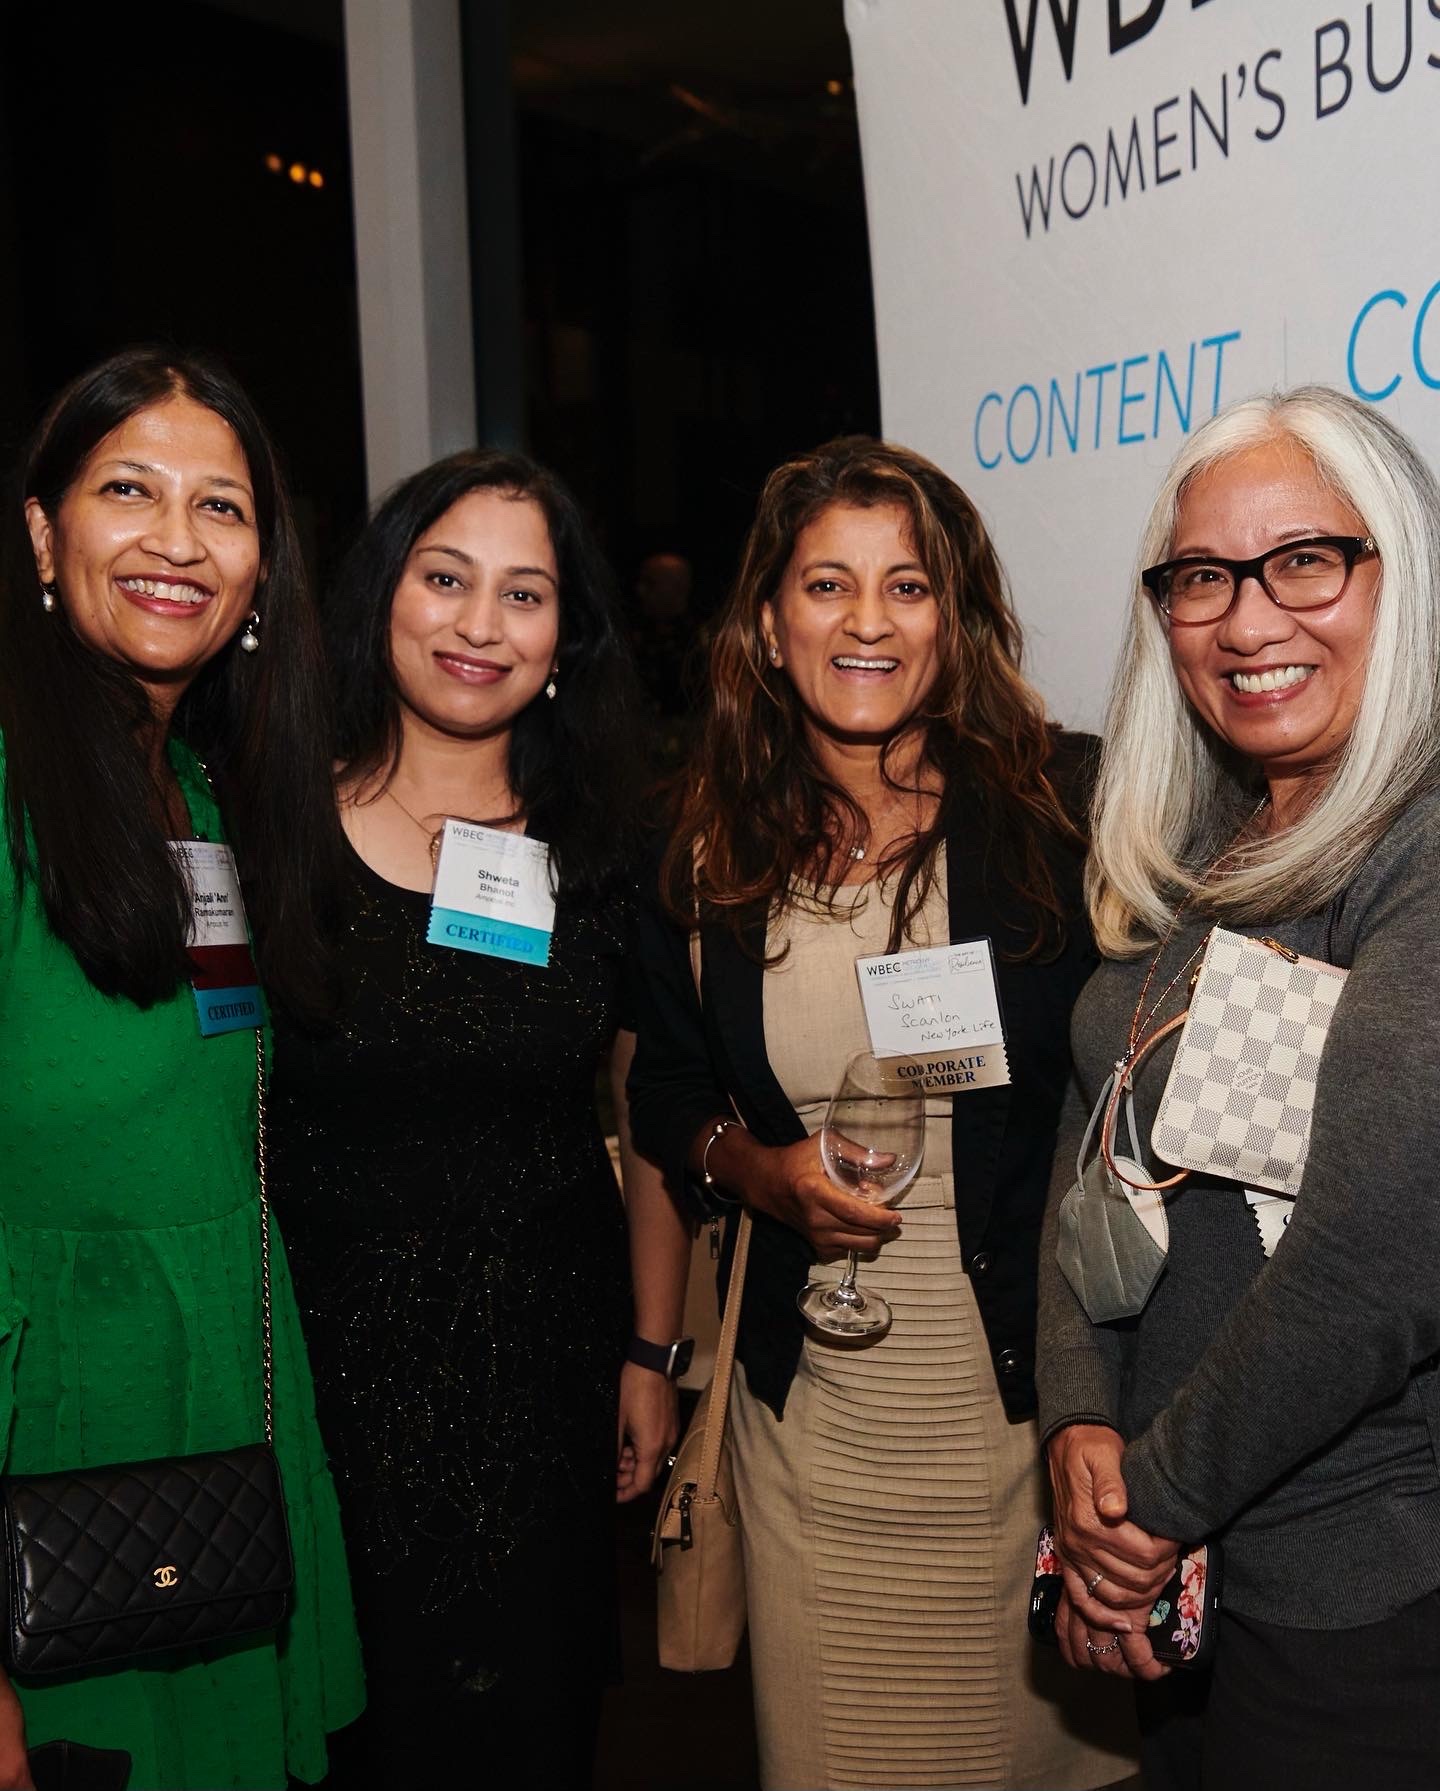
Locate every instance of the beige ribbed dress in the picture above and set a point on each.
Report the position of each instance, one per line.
(890, 1518)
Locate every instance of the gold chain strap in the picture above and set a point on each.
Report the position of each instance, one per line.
(267, 1359)
(266, 1352)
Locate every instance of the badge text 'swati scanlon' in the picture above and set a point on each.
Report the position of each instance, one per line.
(938, 1010)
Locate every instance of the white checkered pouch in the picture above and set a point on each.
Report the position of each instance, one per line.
(1241, 1092)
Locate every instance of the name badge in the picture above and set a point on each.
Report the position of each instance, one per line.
(938, 1010)
(222, 969)
(493, 894)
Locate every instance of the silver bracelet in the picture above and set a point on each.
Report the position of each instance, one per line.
(721, 1125)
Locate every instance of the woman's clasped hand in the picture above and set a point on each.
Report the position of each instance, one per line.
(1112, 1569)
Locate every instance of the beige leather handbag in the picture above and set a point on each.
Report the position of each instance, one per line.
(696, 1546)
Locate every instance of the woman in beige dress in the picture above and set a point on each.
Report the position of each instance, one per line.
(874, 776)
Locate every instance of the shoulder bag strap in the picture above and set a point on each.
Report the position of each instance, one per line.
(267, 1357)
(267, 1362)
(720, 1381)
(1121, 1082)
(718, 1410)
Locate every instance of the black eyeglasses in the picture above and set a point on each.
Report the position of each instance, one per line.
(1299, 575)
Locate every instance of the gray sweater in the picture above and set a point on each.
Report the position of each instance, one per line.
(1290, 1407)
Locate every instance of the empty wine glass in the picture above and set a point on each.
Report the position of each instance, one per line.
(871, 1143)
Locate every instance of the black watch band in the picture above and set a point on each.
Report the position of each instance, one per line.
(669, 1359)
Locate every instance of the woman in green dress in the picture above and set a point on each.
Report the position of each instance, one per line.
(155, 635)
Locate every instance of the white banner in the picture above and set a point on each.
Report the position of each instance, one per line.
(1094, 222)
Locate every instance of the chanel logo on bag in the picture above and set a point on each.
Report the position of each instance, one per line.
(1247, 1077)
(166, 1577)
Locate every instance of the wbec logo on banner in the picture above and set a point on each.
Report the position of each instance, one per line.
(1065, 15)
(1096, 222)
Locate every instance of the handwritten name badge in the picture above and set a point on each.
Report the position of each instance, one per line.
(493, 894)
(222, 970)
(939, 1010)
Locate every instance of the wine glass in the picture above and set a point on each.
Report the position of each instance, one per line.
(871, 1143)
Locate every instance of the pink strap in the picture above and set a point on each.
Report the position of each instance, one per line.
(1112, 1110)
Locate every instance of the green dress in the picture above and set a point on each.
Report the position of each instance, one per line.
(130, 1328)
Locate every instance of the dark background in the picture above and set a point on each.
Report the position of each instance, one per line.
(693, 269)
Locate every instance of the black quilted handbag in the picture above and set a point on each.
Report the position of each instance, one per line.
(102, 1564)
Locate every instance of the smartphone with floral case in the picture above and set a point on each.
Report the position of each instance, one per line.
(1183, 1621)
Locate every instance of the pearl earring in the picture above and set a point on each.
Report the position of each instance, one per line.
(48, 599)
(550, 687)
(250, 640)
(774, 654)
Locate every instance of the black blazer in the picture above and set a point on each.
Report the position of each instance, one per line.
(690, 1062)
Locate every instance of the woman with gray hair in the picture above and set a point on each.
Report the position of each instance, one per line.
(1271, 769)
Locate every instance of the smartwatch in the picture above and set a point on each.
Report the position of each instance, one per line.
(669, 1359)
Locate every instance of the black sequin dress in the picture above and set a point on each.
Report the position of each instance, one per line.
(457, 1243)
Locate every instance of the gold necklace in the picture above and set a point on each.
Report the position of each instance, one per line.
(409, 814)
(432, 835)
(1137, 1024)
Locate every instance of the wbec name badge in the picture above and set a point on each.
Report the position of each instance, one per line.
(222, 971)
(493, 894)
(937, 1011)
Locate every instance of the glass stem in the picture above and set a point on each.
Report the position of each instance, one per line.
(846, 1293)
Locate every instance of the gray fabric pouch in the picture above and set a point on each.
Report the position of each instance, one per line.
(1104, 1248)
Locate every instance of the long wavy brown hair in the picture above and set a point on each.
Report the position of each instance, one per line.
(758, 818)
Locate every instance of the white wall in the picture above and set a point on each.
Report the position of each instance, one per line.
(1217, 198)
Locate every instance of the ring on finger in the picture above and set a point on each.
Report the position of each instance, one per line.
(1092, 1584)
(1109, 1647)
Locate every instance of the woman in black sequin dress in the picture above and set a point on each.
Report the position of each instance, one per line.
(457, 1239)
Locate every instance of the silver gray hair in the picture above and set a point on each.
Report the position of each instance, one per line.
(1171, 793)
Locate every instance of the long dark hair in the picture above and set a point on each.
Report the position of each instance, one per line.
(757, 801)
(574, 761)
(76, 725)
